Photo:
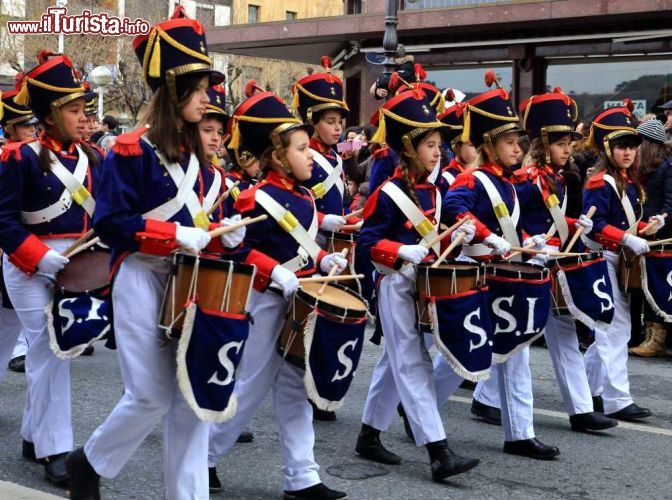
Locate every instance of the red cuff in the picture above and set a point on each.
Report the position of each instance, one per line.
(320, 218)
(386, 252)
(641, 225)
(320, 256)
(352, 219)
(610, 237)
(482, 230)
(158, 238)
(28, 254)
(265, 265)
(215, 245)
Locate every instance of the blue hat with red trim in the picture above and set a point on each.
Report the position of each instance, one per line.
(614, 124)
(174, 48)
(553, 113)
(259, 121)
(489, 115)
(12, 113)
(91, 103)
(217, 105)
(50, 85)
(453, 119)
(319, 92)
(404, 118)
(434, 95)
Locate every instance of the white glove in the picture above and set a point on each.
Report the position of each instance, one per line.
(234, 238)
(659, 223)
(538, 240)
(585, 222)
(541, 258)
(193, 239)
(286, 279)
(52, 262)
(328, 262)
(635, 243)
(413, 253)
(332, 223)
(498, 244)
(468, 229)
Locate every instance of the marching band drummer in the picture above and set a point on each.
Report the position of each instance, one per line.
(46, 202)
(18, 124)
(488, 196)
(618, 197)
(283, 247)
(397, 219)
(156, 187)
(549, 120)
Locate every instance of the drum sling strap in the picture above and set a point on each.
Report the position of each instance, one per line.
(627, 208)
(507, 222)
(557, 212)
(450, 178)
(74, 188)
(186, 196)
(288, 222)
(431, 178)
(334, 176)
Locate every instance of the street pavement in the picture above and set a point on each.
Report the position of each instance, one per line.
(631, 461)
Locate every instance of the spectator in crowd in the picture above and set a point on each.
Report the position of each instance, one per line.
(583, 155)
(107, 127)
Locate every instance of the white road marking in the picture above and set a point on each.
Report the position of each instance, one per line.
(557, 414)
(15, 491)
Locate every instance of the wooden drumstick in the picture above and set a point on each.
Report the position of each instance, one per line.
(580, 229)
(356, 213)
(659, 242)
(529, 250)
(222, 198)
(548, 236)
(650, 225)
(333, 270)
(445, 232)
(68, 251)
(81, 248)
(449, 249)
(329, 279)
(351, 227)
(227, 229)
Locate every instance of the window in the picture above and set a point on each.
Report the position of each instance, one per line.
(289, 15)
(253, 13)
(469, 81)
(354, 7)
(205, 14)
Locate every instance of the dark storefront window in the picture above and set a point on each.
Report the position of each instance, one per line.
(597, 86)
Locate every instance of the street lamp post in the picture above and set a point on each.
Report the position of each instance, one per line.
(61, 36)
(390, 40)
(101, 76)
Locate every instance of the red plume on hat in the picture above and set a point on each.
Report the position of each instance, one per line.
(252, 88)
(44, 55)
(219, 88)
(395, 82)
(491, 78)
(420, 73)
(179, 12)
(628, 104)
(450, 95)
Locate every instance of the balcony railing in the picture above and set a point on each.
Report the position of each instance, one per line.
(444, 4)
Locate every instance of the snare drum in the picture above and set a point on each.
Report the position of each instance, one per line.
(87, 271)
(559, 304)
(338, 303)
(448, 279)
(337, 242)
(217, 285)
(629, 271)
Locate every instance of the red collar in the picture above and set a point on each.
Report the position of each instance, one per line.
(455, 165)
(417, 180)
(494, 169)
(322, 148)
(62, 148)
(277, 180)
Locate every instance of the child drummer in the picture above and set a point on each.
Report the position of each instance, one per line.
(283, 248)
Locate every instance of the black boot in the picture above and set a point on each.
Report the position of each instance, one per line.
(489, 414)
(84, 480)
(316, 492)
(322, 415)
(55, 469)
(28, 452)
(370, 447)
(598, 404)
(592, 421)
(214, 483)
(631, 413)
(17, 364)
(407, 425)
(445, 462)
(245, 437)
(531, 448)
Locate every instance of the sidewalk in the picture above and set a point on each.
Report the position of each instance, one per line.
(11, 491)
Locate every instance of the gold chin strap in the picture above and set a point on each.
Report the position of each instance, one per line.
(410, 152)
(547, 146)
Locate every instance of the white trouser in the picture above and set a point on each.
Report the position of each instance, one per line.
(47, 419)
(12, 342)
(510, 386)
(263, 369)
(570, 372)
(405, 356)
(445, 379)
(563, 346)
(607, 357)
(151, 393)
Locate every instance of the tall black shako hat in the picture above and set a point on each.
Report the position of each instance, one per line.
(453, 119)
(403, 118)
(12, 113)
(613, 124)
(258, 123)
(319, 92)
(174, 48)
(489, 115)
(550, 116)
(91, 103)
(217, 105)
(434, 95)
(51, 84)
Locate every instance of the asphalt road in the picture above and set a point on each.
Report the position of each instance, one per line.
(632, 461)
